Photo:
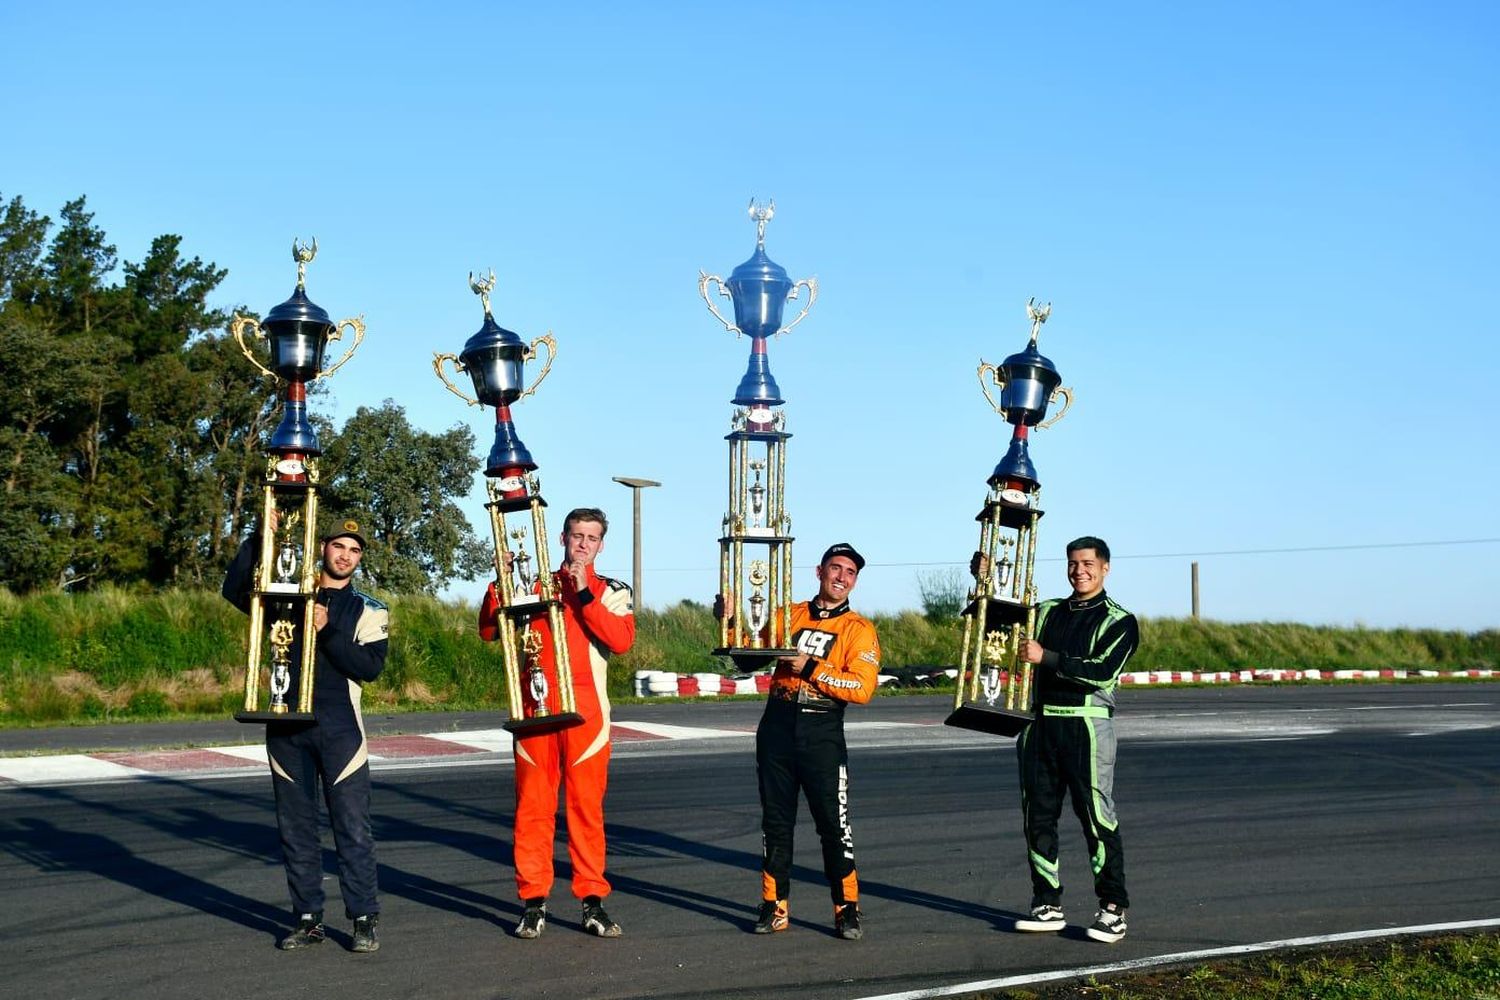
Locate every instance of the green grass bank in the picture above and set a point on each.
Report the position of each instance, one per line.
(114, 655)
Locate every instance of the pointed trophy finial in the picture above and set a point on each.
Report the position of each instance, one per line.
(1038, 315)
(303, 254)
(482, 288)
(760, 215)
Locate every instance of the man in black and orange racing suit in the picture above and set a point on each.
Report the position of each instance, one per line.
(799, 745)
(599, 619)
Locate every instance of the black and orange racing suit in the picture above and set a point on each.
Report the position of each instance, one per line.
(599, 620)
(799, 745)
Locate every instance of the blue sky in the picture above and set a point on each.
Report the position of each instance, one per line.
(1267, 231)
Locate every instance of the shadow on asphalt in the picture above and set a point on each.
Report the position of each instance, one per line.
(52, 849)
(643, 842)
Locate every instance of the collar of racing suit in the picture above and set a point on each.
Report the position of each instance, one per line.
(820, 613)
(1087, 603)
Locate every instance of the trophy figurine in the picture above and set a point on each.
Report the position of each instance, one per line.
(495, 360)
(755, 620)
(298, 332)
(994, 679)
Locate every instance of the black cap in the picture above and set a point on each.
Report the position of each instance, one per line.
(846, 550)
(346, 529)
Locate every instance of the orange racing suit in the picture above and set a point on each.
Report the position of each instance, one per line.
(598, 620)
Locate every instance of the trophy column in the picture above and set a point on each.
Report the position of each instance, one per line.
(495, 360)
(755, 545)
(298, 332)
(994, 687)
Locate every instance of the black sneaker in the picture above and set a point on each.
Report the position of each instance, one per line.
(1044, 917)
(596, 921)
(308, 932)
(846, 922)
(774, 916)
(1109, 923)
(365, 938)
(534, 920)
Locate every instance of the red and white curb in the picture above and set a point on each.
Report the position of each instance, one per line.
(68, 768)
(669, 684)
(1250, 676)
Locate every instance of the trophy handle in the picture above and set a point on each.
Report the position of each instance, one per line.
(551, 345)
(437, 366)
(358, 326)
(703, 280)
(985, 366)
(238, 326)
(1067, 395)
(811, 284)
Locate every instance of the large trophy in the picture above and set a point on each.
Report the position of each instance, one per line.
(495, 360)
(755, 547)
(994, 680)
(285, 586)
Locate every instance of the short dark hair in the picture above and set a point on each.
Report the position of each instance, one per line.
(1099, 545)
(587, 514)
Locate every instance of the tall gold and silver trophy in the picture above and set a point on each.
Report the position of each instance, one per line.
(994, 680)
(755, 545)
(298, 332)
(495, 361)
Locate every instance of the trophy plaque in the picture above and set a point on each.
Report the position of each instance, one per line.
(281, 605)
(994, 692)
(755, 545)
(495, 361)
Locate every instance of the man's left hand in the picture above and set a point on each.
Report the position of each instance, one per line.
(579, 574)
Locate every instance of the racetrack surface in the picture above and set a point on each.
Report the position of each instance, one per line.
(1248, 815)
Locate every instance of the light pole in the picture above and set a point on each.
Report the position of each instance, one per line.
(636, 485)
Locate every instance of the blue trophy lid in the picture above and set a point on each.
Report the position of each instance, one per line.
(1031, 358)
(490, 335)
(759, 268)
(298, 309)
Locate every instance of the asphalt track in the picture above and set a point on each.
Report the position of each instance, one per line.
(1249, 814)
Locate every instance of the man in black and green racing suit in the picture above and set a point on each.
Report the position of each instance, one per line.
(1080, 647)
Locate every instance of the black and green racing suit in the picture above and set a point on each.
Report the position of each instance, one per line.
(1070, 747)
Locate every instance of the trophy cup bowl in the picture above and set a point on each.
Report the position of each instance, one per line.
(495, 361)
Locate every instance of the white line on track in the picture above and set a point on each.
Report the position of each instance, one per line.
(1153, 961)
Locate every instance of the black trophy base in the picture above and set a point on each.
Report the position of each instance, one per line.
(983, 719)
(542, 723)
(264, 717)
(749, 660)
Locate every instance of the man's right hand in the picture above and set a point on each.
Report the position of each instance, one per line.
(979, 565)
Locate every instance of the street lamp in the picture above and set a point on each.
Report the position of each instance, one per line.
(636, 485)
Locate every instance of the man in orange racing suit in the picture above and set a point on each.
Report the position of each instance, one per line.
(800, 742)
(598, 618)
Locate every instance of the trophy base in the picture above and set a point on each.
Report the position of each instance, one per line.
(542, 723)
(750, 660)
(264, 717)
(983, 719)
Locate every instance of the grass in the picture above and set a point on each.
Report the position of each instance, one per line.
(1460, 967)
(116, 655)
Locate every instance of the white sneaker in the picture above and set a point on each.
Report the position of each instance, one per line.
(1044, 917)
(1109, 924)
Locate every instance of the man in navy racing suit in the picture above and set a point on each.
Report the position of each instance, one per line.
(352, 640)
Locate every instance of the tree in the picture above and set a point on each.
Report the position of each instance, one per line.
(400, 484)
(23, 237)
